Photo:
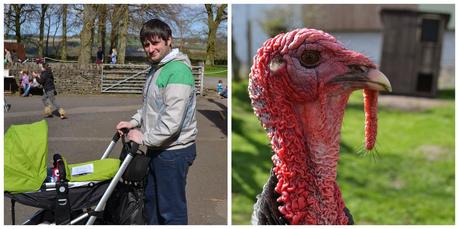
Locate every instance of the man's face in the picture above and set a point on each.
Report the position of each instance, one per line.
(156, 48)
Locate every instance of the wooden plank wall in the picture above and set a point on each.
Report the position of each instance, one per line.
(347, 17)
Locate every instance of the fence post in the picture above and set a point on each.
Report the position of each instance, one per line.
(102, 80)
(201, 90)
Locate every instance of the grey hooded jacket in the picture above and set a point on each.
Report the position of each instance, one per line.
(168, 115)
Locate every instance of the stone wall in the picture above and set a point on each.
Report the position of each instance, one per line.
(68, 77)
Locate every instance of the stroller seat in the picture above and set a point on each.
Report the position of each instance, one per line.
(97, 170)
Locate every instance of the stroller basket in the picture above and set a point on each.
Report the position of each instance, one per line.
(77, 189)
(79, 197)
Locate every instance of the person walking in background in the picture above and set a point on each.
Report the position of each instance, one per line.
(113, 56)
(46, 79)
(100, 56)
(25, 83)
(167, 122)
(7, 57)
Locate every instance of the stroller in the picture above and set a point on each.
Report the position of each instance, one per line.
(66, 194)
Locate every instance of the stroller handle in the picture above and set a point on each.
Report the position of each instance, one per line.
(116, 137)
(134, 146)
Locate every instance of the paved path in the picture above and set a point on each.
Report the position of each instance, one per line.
(90, 126)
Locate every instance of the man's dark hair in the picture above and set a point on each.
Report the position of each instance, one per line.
(155, 28)
(46, 66)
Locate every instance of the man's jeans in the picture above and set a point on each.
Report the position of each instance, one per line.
(165, 191)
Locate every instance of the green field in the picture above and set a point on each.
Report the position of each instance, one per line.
(216, 71)
(410, 180)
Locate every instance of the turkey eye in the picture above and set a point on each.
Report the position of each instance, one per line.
(310, 58)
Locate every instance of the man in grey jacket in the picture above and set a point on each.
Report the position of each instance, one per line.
(167, 121)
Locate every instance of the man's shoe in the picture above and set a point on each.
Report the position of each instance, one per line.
(61, 113)
(48, 112)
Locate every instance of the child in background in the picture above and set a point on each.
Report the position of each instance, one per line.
(219, 87)
(113, 56)
(25, 83)
(224, 93)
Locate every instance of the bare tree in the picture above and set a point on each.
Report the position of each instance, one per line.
(53, 18)
(64, 32)
(71, 21)
(102, 25)
(43, 9)
(20, 16)
(183, 19)
(89, 16)
(17, 21)
(139, 14)
(213, 22)
(122, 42)
(8, 19)
(114, 21)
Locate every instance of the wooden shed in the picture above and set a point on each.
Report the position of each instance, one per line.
(412, 45)
(17, 48)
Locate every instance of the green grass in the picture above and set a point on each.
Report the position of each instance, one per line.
(216, 71)
(409, 181)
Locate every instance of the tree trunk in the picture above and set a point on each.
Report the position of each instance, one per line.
(56, 49)
(41, 42)
(122, 42)
(17, 21)
(210, 52)
(235, 62)
(64, 33)
(102, 25)
(93, 32)
(47, 37)
(213, 26)
(89, 16)
(115, 26)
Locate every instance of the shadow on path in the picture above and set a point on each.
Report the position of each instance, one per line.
(218, 117)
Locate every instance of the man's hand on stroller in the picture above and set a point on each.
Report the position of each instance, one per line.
(122, 125)
(136, 136)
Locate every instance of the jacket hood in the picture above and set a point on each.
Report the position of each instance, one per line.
(175, 55)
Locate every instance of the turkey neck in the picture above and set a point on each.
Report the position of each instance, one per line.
(318, 200)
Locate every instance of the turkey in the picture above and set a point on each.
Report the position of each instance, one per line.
(299, 85)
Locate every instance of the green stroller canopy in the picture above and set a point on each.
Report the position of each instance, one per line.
(26, 152)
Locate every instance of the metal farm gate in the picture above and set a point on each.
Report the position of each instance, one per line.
(129, 78)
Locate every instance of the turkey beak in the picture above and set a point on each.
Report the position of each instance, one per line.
(361, 77)
(376, 80)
